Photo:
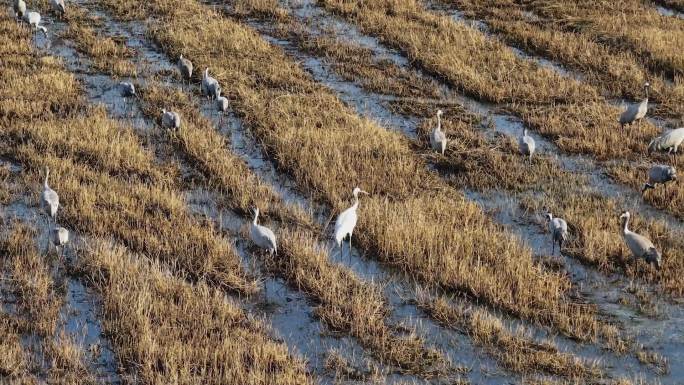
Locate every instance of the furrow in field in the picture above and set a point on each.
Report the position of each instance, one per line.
(295, 97)
(619, 75)
(337, 55)
(205, 149)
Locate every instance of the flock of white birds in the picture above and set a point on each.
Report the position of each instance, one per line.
(263, 237)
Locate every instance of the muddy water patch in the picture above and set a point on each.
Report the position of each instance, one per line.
(669, 12)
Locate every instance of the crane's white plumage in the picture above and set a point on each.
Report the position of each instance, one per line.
(660, 173)
(262, 236)
(222, 104)
(438, 139)
(559, 231)
(669, 141)
(346, 221)
(170, 119)
(19, 8)
(49, 199)
(33, 19)
(185, 67)
(635, 112)
(127, 89)
(527, 144)
(640, 246)
(210, 86)
(59, 237)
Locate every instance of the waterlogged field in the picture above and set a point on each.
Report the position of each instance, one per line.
(450, 277)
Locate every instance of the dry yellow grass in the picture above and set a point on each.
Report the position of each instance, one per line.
(617, 74)
(626, 25)
(166, 330)
(38, 304)
(410, 221)
(573, 114)
(347, 303)
(516, 351)
(103, 174)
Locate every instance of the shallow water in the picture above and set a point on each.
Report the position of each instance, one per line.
(669, 12)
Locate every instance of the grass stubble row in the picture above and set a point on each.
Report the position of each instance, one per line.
(412, 221)
(474, 162)
(616, 73)
(204, 147)
(35, 347)
(462, 165)
(346, 303)
(598, 242)
(104, 198)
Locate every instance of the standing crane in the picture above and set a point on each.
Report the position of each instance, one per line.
(19, 8)
(262, 236)
(210, 86)
(48, 198)
(222, 105)
(669, 142)
(346, 221)
(59, 237)
(185, 67)
(33, 20)
(438, 139)
(559, 231)
(659, 173)
(170, 119)
(527, 144)
(640, 246)
(635, 112)
(59, 7)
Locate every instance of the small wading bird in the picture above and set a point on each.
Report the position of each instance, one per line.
(222, 106)
(48, 198)
(19, 9)
(346, 221)
(262, 236)
(659, 173)
(170, 119)
(635, 112)
(438, 139)
(210, 86)
(185, 68)
(58, 6)
(127, 89)
(33, 20)
(669, 142)
(559, 231)
(60, 237)
(640, 246)
(526, 144)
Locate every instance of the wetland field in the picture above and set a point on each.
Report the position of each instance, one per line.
(216, 235)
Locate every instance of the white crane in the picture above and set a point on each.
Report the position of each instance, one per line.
(58, 6)
(346, 221)
(210, 86)
(669, 142)
(559, 231)
(640, 246)
(438, 139)
(262, 236)
(659, 173)
(59, 237)
(185, 68)
(48, 198)
(526, 144)
(222, 105)
(19, 8)
(635, 112)
(170, 119)
(33, 19)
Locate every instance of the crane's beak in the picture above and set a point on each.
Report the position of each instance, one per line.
(363, 192)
